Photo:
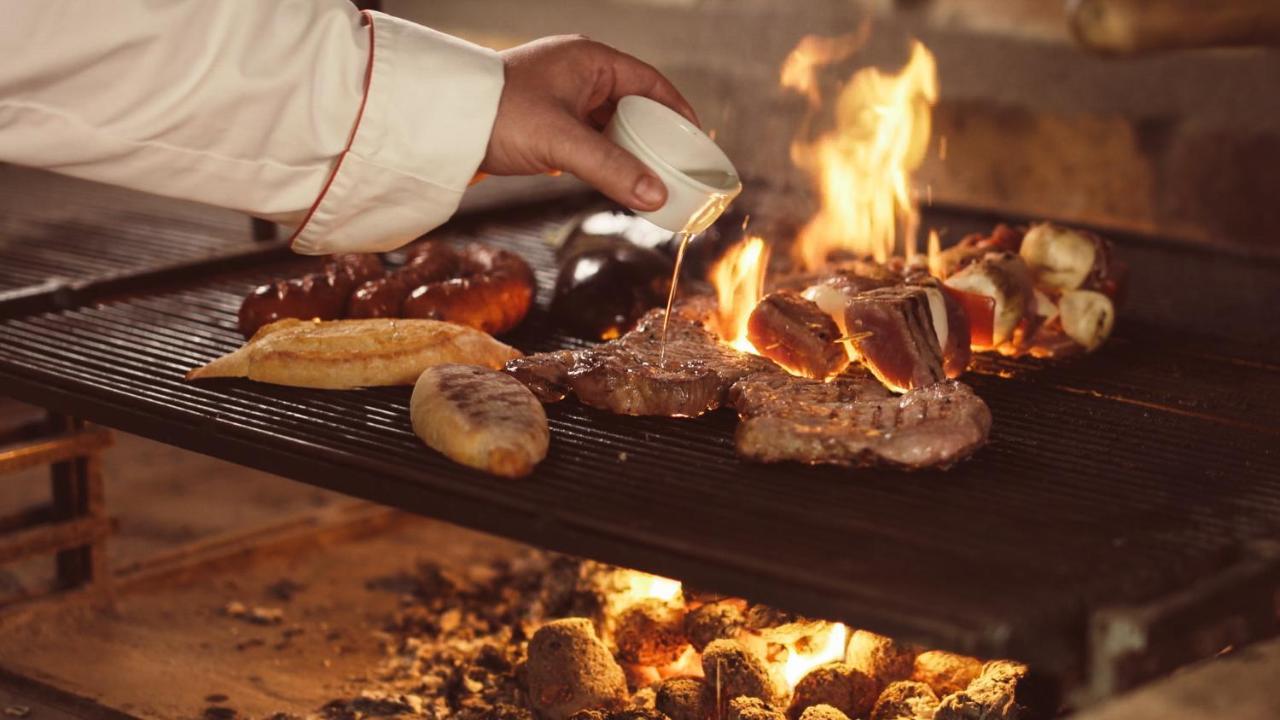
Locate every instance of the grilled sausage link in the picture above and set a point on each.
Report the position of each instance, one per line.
(320, 295)
(385, 296)
(493, 292)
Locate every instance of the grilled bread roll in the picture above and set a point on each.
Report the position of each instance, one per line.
(342, 354)
(480, 418)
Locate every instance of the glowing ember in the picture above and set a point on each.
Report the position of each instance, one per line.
(644, 586)
(863, 165)
(829, 649)
(739, 282)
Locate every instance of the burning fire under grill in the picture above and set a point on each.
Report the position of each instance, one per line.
(571, 639)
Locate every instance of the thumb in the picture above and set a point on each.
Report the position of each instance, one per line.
(613, 171)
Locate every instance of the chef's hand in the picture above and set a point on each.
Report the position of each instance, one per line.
(559, 93)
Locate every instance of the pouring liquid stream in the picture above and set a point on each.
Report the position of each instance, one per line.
(717, 179)
(683, 239)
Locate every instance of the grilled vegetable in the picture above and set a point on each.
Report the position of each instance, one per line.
(600, 293)
(1060, 258)
(1003, 277)
(1087, 317)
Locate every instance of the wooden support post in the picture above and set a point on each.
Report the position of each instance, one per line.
(77, 490)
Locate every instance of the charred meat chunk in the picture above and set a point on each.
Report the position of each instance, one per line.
(797, 334)
(892, 331)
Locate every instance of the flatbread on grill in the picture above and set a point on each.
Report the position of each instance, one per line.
(343, 354)
(480, 418)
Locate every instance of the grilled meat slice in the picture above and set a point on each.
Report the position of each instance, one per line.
(892, 331)
(797, 334)
(546, 374)
(777, 393)
(626, 376)
(934, 426)
(950, 324)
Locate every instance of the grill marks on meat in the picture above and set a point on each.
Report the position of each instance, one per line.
(624, 376)
(849, 422)
(892, 331)
(797, 334)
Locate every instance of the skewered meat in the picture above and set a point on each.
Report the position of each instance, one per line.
(796, 334)
(480, 418)
(933, 426)
(1061, 258)
(972, 248)
(1087, 317)
(321, 295)
(950, 324)
(892, 331)
(1005, 279)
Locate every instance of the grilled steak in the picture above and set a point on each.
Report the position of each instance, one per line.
(892, 331)
(797, 334)
(624, 375)
(546, 374)
(849, 422)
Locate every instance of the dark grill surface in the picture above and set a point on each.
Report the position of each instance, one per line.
(56, 231)
(1110, 478)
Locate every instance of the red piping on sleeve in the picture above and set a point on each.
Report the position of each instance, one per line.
(368, 81)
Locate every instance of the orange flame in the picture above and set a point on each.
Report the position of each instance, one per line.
(739, 281)
(829, 648)
(863, 166)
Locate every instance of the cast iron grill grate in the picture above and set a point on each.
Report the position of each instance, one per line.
(56, 231)
(1108, 479)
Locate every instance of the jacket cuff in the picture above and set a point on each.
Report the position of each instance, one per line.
(422, 131)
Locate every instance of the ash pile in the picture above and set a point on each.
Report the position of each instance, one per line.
(547, 637)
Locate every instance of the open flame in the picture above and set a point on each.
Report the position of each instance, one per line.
(863, 165)
(739, 281)
(819, 651)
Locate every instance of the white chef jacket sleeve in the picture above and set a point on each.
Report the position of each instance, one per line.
(362, 130)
